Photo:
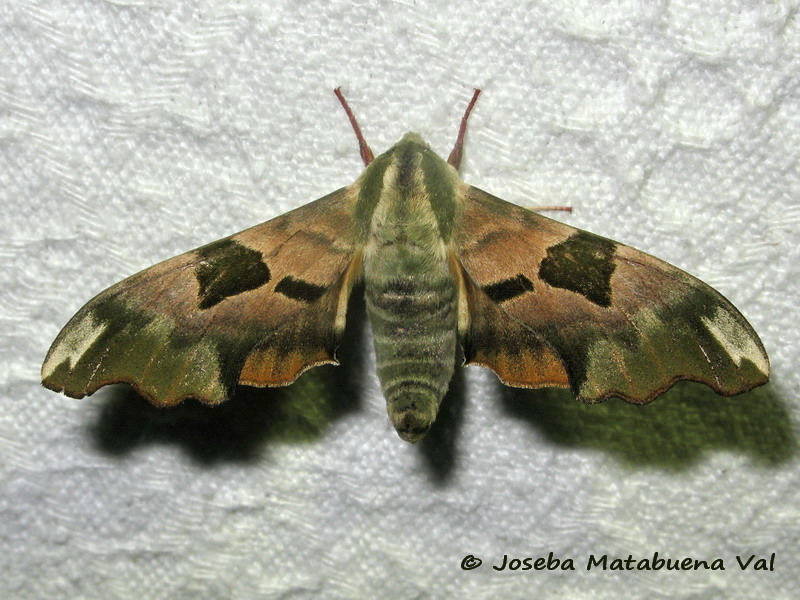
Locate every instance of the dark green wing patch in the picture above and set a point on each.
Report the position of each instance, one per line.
(227, 268)
(508, 288)
(297, 289)
(584, 264)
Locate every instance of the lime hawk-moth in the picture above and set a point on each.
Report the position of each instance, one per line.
(447, 269)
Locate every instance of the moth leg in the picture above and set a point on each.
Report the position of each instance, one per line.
(549, 208)
(455, 156)
(366, 152)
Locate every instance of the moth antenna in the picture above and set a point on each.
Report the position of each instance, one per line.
(366, 152)
(455, 156)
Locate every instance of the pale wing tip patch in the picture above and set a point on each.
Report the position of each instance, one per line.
(73, 342)
(737, 342)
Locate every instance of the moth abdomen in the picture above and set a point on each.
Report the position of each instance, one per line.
(413, 409)
(414, 326)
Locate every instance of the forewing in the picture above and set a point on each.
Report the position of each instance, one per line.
(621, 322)
(197, 324)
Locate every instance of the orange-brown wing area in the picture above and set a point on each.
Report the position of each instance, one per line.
(191, 325)
(512, 350)
(303, 343)
(618, 321)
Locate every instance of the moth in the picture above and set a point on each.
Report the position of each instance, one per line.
(448, 269)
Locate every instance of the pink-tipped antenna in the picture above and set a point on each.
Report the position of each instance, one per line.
(366, 152)
(455, 156)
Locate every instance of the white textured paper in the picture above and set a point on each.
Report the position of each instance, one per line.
(133, 131)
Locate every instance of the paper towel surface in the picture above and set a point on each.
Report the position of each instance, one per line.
(134, 131)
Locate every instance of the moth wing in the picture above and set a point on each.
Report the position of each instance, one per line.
(602, 318)
(258, 308)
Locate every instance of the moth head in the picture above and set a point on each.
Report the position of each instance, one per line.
(413, 139)
(412, 161)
